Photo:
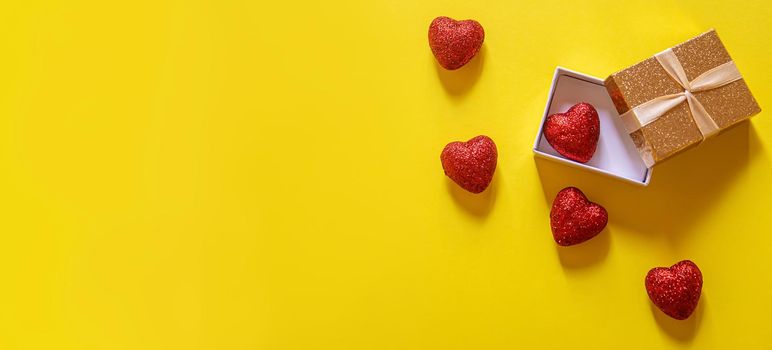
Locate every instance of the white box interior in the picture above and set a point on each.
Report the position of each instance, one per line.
(616, 154)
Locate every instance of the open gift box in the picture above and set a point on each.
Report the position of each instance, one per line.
(616, 155)
(654, 109)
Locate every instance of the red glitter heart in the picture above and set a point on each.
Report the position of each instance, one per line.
(574, 219)
(575, 133)
(470, 164)
(454, 43)
(675, 290)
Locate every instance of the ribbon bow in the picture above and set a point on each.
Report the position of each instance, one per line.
(650, 111)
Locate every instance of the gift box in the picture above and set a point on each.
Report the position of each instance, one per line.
(679, 97)
(654, 109)
(616, 155)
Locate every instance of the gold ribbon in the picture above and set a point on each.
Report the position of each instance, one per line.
(650, 111)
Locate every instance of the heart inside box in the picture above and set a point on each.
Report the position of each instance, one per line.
(616, 154)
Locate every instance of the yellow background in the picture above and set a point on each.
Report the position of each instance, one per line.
(266, 175)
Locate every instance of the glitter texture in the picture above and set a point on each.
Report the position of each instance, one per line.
(470, 164)
(575, 133)
(676, 130)
(574, 219)
(454, 43)
(675, 290)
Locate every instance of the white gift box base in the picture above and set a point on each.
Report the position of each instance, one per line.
(616, 155)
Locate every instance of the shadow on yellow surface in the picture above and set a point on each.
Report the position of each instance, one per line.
(478, 205)
(587, 253)
(682, 189)
(680, 330)
(458, 82)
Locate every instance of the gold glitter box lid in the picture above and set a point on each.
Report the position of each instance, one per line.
(676, 130)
